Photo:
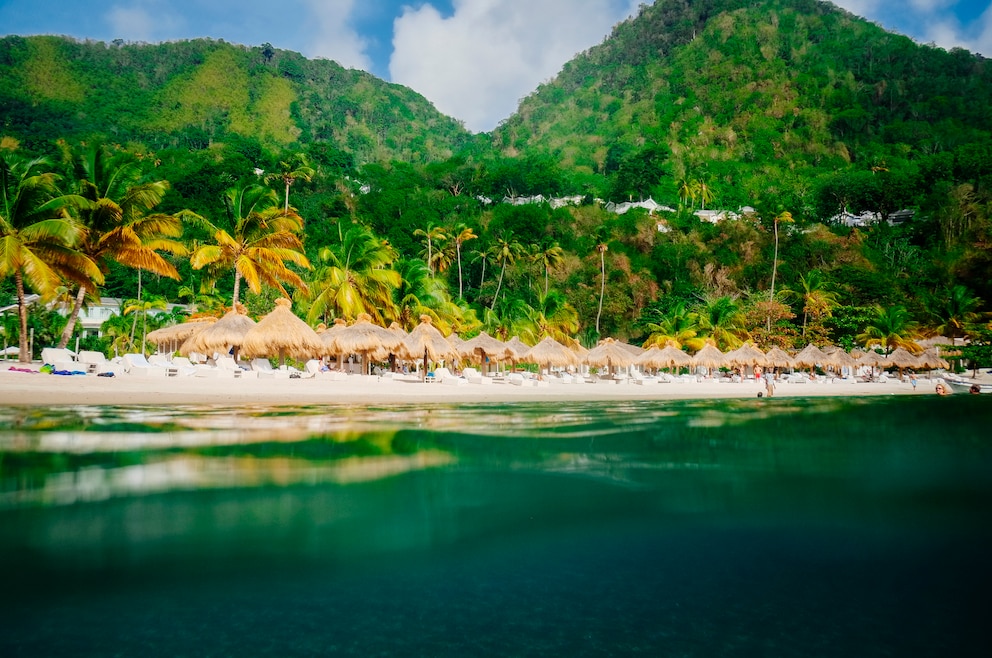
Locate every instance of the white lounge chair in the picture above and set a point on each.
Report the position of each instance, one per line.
(473, 376)
(139, 366)
(61, 359)
(264, 370)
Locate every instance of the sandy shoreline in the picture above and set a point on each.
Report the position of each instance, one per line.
(38, 389)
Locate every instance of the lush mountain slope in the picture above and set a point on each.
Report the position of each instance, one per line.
(752, 96)
(193, 94)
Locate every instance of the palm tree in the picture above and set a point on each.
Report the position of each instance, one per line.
(506, 252)
(38, 236)
(602, 249)
(784, 216)
(118, 226)
(723, 320)
(507, 318)
(892, 327)
(954, 311)
(431, 235)
(418, 293)
(354, 277)
(291, 170)
(462, 234)
(259, 240)
(818, 300)
(142, 307)
(548, 255)
(552, 316)
(680, 326)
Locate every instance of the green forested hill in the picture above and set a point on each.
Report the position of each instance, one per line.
(753, 97)
(194, 94)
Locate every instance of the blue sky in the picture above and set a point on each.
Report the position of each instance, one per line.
(474, 59)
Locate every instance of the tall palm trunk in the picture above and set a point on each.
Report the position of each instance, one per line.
(70, 325)
(771, 295)
(134, 323)
(237, 288)
(602, 282)
(24, 355)
(498, 286)
(458, 250)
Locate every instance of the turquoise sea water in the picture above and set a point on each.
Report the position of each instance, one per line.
(785, 527)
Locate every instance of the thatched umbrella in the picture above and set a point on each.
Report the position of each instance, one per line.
(901, 358)
(840, 359)
(709, 357)
(746, 355)
(426, 341)
(930, 360)
(611, 354)
(666, 357)
(810, 356)
(365, 338)
(281, 333)
(222, 336)
(484, 346)
(517, 348)
(633, 349)
(176, 334)
(550, 352)
(778, 358)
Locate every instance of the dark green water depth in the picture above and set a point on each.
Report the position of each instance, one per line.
(819, 527)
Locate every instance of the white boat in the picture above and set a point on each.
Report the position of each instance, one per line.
(961, 385)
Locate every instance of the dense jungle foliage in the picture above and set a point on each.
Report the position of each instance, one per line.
(793, 108)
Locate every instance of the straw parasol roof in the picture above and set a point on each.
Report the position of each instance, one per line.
(280, 334)
(221, 335)
(365, 338)
(517, 348)
(666, 357)
(840, 359)
(709, 357)
(930, 360)
(482, 346)
(633, 349)
(902, 358)
(746, 355)
(609, 353)
(425, 341)
(810, 356)
(778, 358)
(178, 333)
(550, 352)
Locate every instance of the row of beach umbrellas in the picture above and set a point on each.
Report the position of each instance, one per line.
(281, 334)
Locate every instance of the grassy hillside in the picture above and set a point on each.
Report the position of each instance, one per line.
(194, 94)
(752, 97)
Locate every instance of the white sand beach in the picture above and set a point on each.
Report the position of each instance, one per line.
(34, 388)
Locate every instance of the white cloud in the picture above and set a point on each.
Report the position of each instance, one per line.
(336, 39)
(478, 63)
(144, 20)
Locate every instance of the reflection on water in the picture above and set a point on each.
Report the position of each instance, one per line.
(740, 527)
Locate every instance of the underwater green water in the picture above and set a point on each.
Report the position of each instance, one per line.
(787, 527)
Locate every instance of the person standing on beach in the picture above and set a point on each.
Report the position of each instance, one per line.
(769, 384)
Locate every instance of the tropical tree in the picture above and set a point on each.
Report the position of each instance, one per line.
(817, 297)
(506, 252)
(784, 216)
(723, 320)
(602, 249)
(432, 234)
(552, 316)
(461, 235)
(354, 277)
(258, 240)
(953, 312)
(142, 306)
(291, 170)
(679, 326)
(418, 293)
(118, 225)
(38, 236)
(893, 327)
(547, 256)
(507, 318)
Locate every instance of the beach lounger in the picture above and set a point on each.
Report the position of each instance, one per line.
(61, 359)
(136, 365)
(473, 376)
